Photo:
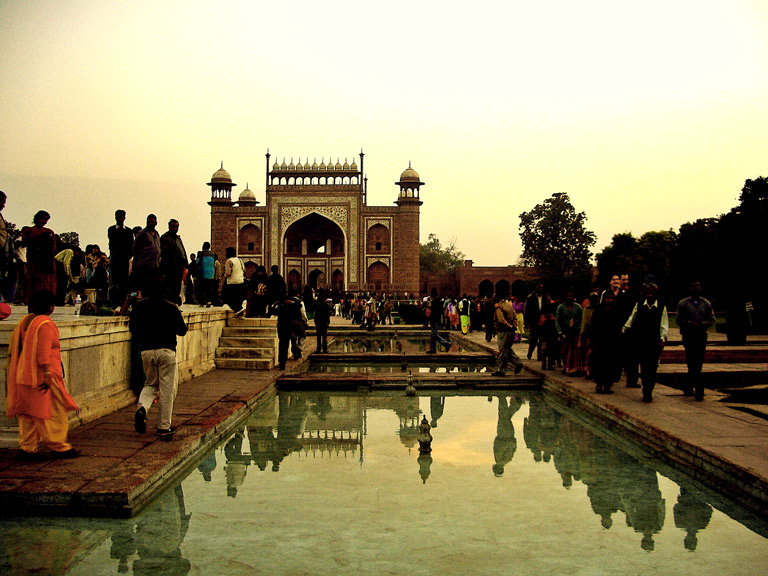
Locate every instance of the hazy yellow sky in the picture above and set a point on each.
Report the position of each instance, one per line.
(648, 114)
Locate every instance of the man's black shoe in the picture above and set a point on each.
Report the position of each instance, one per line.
(498, 373)
(140, 420)
(166, 434)
(519, 368)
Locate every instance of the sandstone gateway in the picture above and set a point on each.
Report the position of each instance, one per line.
(318, 228)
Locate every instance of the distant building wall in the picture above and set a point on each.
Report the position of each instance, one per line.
(467, 279)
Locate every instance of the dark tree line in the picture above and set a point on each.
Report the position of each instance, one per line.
(726, 253)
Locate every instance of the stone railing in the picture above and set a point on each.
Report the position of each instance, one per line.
(96, 353)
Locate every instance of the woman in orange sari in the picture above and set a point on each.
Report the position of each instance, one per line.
(36, 392)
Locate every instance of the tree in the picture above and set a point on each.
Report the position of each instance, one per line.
(745, 244)
(654, 253)
(618, 257)
(557, 243)
(70, 238)
(434, 258)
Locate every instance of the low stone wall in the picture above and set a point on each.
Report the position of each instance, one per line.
(96, 353)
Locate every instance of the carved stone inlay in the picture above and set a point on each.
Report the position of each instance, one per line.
(342, 210)
(386, 222)
(373, 259)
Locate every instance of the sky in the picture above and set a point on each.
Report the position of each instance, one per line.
(648, 114)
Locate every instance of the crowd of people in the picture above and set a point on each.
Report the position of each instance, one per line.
(619, 330)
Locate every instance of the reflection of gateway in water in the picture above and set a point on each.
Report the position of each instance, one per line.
(322, 425)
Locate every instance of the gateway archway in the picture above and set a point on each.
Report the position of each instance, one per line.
(315, 249)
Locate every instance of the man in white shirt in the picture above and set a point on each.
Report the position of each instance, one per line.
(647, 327)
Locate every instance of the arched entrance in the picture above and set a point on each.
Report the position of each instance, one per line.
(314, 247)
(317, 279)
(485, 288)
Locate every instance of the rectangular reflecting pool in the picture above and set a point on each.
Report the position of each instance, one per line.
(318, 483)
(391, 342)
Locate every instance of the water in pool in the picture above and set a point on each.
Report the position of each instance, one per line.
(315, 483)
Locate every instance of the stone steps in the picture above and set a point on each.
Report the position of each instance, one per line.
(243, 352)
(245, 363)
(247, 344)
(246, 341)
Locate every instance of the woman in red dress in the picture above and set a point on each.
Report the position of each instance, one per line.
(41, 248)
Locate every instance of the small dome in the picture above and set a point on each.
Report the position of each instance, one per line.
(338, 166)
(275, 167)
(291, 166)
(346, 164)
(246, 195)
(322, 164)
(283, 166)
(306, 165)
(221, 176)
(353, 166)
(409, 175)
(314, 164)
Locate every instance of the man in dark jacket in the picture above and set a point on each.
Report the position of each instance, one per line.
(288, 312)
(173, 261)
(435, 318)
(156, 322)
(120, 252)
(322, 320)
(534, 305)
(694, 318)
(647, 326)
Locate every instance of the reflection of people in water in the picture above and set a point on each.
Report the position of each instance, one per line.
(641, 499)
(321, 406)
(237, 463)
(436, 408)
(602, 489)
(208, 465)
(505, 443)
(540, 429)
(160, 531)
(691, 514)
(291, 418)
(565, 453)
(123, 545)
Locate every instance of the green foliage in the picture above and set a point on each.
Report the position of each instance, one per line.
(13, 232)
(434, 258)
(654, 253)
(556, 242)
(71, 238)
(618, 257)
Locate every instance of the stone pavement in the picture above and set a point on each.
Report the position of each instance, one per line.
(120, 471)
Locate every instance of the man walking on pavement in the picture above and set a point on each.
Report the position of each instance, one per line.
(694, 317)
(156, 322)
(505, 322)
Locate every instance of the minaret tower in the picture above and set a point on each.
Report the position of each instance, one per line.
(221, 187)
(221, 209)
(406, 234)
